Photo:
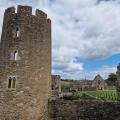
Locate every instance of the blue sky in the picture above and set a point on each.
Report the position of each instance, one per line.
(85, 35)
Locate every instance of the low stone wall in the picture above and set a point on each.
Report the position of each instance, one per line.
(83, 110)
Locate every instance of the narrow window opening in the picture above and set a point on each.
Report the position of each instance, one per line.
(17, 32)
(9, 82)
(99, 82)
(14, 82)
(15, 55)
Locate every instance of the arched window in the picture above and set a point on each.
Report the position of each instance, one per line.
(9, 82)
(99, 82)
(14, 82)
(15, 55)
(17, 32)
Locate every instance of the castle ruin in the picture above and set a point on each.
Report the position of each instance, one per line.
(118, 81)
(99, 83)
(56, 85)
(25, 64)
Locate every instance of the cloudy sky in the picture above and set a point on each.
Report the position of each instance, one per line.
(85, 35)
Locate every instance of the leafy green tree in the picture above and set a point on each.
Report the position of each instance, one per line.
(112, 78)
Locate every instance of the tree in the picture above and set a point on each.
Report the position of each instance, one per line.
(112, 78)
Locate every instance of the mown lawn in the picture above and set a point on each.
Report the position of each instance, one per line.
(105, 95)
(109, 95)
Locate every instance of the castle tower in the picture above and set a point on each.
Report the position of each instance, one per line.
(118, 81)
(25, 64)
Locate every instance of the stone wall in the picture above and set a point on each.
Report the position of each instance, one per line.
(30, 37)
(99, 83)
(9, 110)
(118, 81)
(83, 110)
(56, 85)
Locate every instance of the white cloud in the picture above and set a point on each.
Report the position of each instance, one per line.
(104, 71)
(85, 29)
(80, 28)
(95, 30)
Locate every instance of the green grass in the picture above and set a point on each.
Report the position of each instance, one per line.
(105, 95)
(108, 95)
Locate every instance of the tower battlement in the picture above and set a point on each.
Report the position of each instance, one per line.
(25, 11)
(40, 14)
(10, 10)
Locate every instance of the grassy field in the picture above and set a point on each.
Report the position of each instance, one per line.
(106, 95)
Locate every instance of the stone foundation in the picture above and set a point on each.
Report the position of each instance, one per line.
(84, 110)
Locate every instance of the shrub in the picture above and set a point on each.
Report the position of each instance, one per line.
(71, 97)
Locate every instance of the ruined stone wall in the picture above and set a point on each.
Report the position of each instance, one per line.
(30, 37)
(118, 81)
(99, 83)
(56, 85)
(84, 110)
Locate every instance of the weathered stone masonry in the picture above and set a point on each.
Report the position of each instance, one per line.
(118, 81)
(84, 110)
(56, 85)
(25, 64)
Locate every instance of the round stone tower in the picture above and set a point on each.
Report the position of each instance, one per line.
(25, 64)
(118, 81)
